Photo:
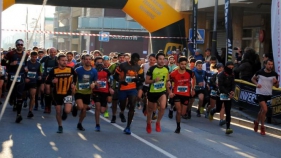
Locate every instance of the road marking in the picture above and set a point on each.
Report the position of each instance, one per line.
(139, 138)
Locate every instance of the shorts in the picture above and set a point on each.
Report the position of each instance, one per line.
(115, 95)
(101, 98)
(199, 92)
(265, 98)
(86, 98)
(39, 82)
(59, 99)
(145, 89)
(154, 97)
(184, 100)
(123, 94)
(139, 87)
(30, 85)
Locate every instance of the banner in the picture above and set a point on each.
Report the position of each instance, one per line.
(245, 97)
(194, 26)
(275, 34)
(229, 31)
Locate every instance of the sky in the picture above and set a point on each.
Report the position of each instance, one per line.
(14, 17)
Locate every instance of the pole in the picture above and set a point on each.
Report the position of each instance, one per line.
(26, 23)
(214, 39)
(1, 9)
(194, 27)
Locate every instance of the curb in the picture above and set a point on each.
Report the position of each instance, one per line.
(246, 123)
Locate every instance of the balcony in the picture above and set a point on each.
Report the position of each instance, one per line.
(88, 23)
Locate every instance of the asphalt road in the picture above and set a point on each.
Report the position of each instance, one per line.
(37, 137)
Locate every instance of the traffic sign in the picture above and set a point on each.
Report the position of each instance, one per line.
(104, 36)
(200, 36)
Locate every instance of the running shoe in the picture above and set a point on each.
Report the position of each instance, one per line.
(178, 130)
(74, 110)
(228, 131)
(256, 126)
(25, 104)
(18, 119)
(201, 110)
(222, 122)
(211, 116)
(80, 127)
(106, 114)
(127, 130)
(42, 105)
(207, 114)
(64, 115)
(97, 128)
(262, 130)
(198, 113)
(30, 114)
(171, 112)
(113, 120)
(158, 128)
(60, 129)
(122, 117)
(148, 128)
(35, 107)
(185, 116)
(154, 116)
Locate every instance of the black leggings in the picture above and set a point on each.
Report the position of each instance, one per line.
(227, 106)
(132, 104)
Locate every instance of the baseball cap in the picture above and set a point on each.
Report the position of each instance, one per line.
(198, 50)
(105, 57)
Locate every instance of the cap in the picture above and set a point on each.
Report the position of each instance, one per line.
(219, 65)
(198, 50)
(105, 57)
(229, 63)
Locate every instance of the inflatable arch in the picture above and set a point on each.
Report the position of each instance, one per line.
(156, 16)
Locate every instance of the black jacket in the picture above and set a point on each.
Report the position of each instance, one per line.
(226, 82)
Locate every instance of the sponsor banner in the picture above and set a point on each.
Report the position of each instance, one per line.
(229, 31)
(194, 25)
(276, 35)
(245, 97)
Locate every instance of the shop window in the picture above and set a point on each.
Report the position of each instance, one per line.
(251, 38)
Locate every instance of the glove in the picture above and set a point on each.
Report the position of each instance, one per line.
(124, 83)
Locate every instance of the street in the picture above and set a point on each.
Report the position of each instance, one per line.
(37, 137)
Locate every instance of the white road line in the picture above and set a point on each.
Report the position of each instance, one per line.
(139, 138)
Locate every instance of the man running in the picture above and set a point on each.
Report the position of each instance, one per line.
(87, 76)
(33, 74)
(264, 79)
(115, 87)
(64, 80)
(14, 57)
(183, 88)
(101, 91)
(157, 77)
(127, 74)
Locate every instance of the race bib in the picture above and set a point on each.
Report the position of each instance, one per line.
(102, 84)
(82, 86)
(18, 79)
(49, 69)
(197, 88)
(67, 99)
(224, 96)
(31, 74)
(158, 85)
(2, 70)
(213, 93)
(129, 79)
(182, 89)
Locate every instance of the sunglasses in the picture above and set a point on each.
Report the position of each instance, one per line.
(19, 44)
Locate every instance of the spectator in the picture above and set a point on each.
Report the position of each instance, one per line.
(172, 63)
(245, 68)
(207, 55)
(265, 57)
(221, 58)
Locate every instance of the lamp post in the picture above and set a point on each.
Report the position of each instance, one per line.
(214, 39)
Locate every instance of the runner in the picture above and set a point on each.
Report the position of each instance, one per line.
(183, 88)
(64, 80)
(47, 63)
(101, 91)
(70, 59)
(33, 74)
(127, 74)
(14, 58)
(115, 87)
(157, 76)
(264, 79)
(87, 76)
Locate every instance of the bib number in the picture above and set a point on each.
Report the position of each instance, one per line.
(18, 79)
(2, 70)
(129, 79)
(197, 88)
(182, 89)
(213, 93)
(224, 96)
(67, 99)
(31, 74)
(49, 69)
(82, 86)
(158, 85)
(102, 84)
